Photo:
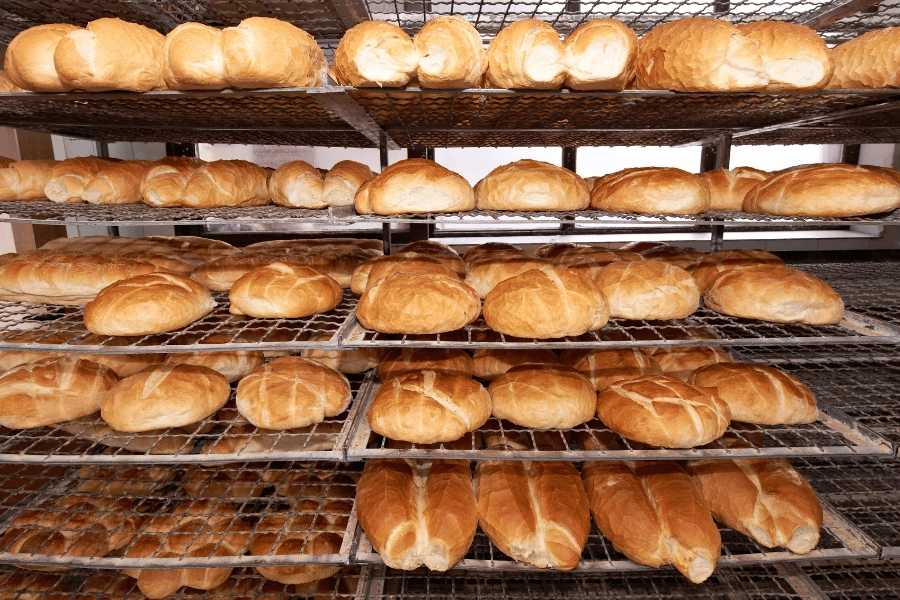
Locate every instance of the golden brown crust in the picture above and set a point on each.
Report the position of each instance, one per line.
(728, 260)
(543, 397)
(486, 270)
(234, 366)
(526, 54)
(415, 185)
(651, 190)
(342, 182)
(599, 55)
(262, 52)
(489, 364)
(163, 182)
(29, 58)
(297, 184)
(226, 183)
(442, 360)
(610, 365)
(378, 268)
(451, 54)
(680, 362)
(375, 54)
(283, 291)
(25, 179)
(794, 56)
(531, 185)
(868, 61)
(727, 187)
(648, 290)
(193, 58)
(116, 183)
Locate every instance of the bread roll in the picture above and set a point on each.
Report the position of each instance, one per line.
(375, 54)
(485, 273)
(418, 513)
(68, 180)
(699, 55)
(777, 294)
(29, 58)
(116, 183)
(8, 87)
(193, 58)
(599, 55)
(663, 411)
(427, 407)
(653, 514)
(353, 361)
(292, 392)
(868, 61)
(25, 179)
(281, 291)
(765, 499)
(591, 261)
(418, 303)
(378, 268)
(829, 190)
(543, 397)
(163, 182)
(415, 185)
(342, 182)
(206, 248)
(604, 367)
(226, 183)
(729, 260)
(262, 52)
(297, 184)
(759, 393)
(727, 187)
(451, 54)
(651, 190)
(534, 512)
(526, 54)
(442, 360)
(794, 57)
(561, 303)
(164, 396)
(489, 364)
(111, 54)
(680, 362)
(147, 304)
(476, 253)
(442, 252)
(648, 290)
(52, 390)
(221, 274)
(531, 185)
(234, 366)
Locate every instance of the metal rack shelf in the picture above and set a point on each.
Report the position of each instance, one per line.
(851, 580)
(108, 502)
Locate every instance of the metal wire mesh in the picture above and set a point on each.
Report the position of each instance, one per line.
(851, 580)
(860, 284)
(197, 517)
(878, 16)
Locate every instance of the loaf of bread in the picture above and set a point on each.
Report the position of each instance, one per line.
(485, 272)
(447, 255)
(427, 407)
(306, 246)
(414, 185)
(418, 303)
(292, 392)
(221, 274)
(604, 367)
(681, 361)
(116, 183)
(534, 512)
(651, 190)
(561, 303)
(451, 54)
(699, 55)
(599, 55)
(828, 190)
(794, 57)
(206, 248)
(491, 363)
(648, 290)
(164, 396)
(418, 512)
(531, 185)
(297, 184)
(777, 294)
(526, 54)
(728, 260)
(193, 58)
(226, 183)
(543, 397)
(282, 291)
(111, 54)
(375, 54)
(378, 268)
(68, 179)
(765, 499)
(443, 360)
(163, 182)
(683, 258)
(342, 182)
(52, 390)
(261, 52)
(29, 58)
(663, 411)
(590, 260)
(25, 179)
(476, 253)
(122, 365)
(356, 360)
(8, 87)
(759, 393)
(868, 61)
(147, 304)
(162, 258)
(234, 366)
(727, 187)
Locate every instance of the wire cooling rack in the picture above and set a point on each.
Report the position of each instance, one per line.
(855, 579)
(99, 515)
(220, 438)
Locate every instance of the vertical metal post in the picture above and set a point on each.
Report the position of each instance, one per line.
(716, 156)
(102, 149)
(850, 154)
(385, 227)
(570, 162)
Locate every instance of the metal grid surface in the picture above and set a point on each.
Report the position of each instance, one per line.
(877, 16)
(103, 506)
(220, 438)
(855, 579)
(860, 283)
(41, 327)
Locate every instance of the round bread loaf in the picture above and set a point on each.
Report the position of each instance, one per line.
(234, 366)
(442, 252)
(546, 304)
(648, 290)
(297, 184)
(343, 180)
(487, 270)
(794, 56)
(728, 260)
(553, 250)
(663, 411)
(651, 190)
(375, 54)
(357, 360)
(193, 58)
(829, 190)
(599, 55)
(52, 390)
(491, 363)
(441, 360)
(591, 261)
(29, 58)
(415, 185)
(384, 266)
(426, 407)
(871, 60)
(531, 185)
(681, 361)
(683, 258)
(451, 54)
(607, 366)
(777, 294)
(475, 253)
(543, 397)
(283, 291)
(147, 304)
(759, 393)
(727, 187)
(164, 396)
(526, 54)
(418, 303)
(291, 392)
